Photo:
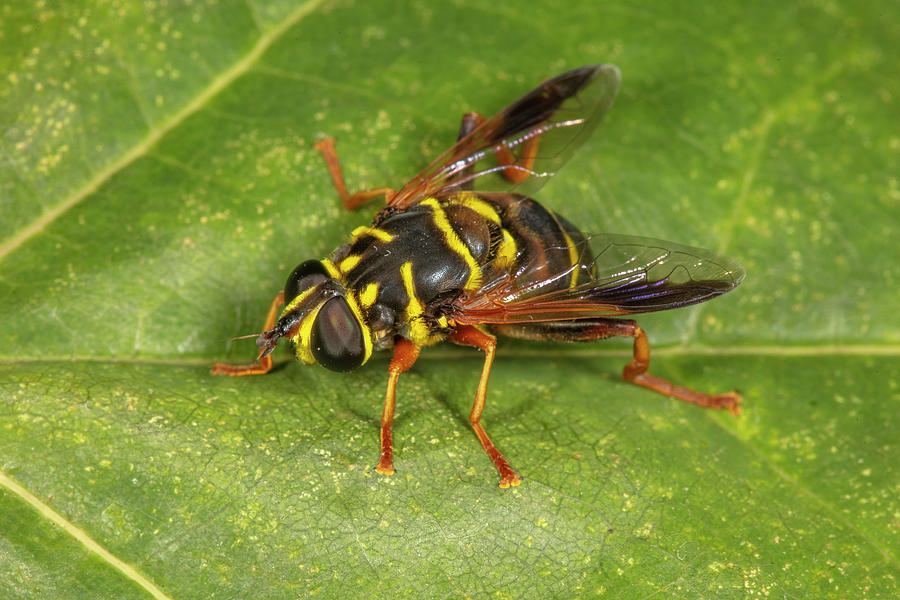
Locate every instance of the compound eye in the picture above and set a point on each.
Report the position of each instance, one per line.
(305, 276)
(337, 337)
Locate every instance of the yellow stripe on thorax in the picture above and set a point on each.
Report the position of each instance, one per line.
(332, 270)
(369, 294)
(418, 330)
(442, 223)
(378, 234)
(507, 250)
(472, 201)
(348, 263)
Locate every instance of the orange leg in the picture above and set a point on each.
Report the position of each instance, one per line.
(326, 147)
(587, 330)
(518, 168)
(467, 335)
(405, 355)
(262, 365)
(636, 372)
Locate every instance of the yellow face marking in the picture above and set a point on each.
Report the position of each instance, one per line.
(472, 201)
(293, 303)
(440, 219)
(378, 234)
(573, 258)
(418, 331)
(369, 294)
(348, 263)
(302, 338)
(366, 332)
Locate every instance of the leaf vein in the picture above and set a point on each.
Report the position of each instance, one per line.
(57, 519)
(216, 86)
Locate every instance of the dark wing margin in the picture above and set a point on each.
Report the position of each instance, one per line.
(630, 275)
(541, 103)
(564, 111)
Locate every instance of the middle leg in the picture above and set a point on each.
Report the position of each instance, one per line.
(467, 335)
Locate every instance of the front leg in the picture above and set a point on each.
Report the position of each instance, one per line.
(263, 363)
(326, 147)
(405, 355)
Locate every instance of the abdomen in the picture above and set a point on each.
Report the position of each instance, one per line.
(548, 247)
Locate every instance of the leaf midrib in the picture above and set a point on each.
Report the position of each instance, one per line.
(805, 351)
(47, 512)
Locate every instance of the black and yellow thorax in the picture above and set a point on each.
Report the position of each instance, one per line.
(405, 270)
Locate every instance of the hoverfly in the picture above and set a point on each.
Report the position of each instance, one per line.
(444, 261)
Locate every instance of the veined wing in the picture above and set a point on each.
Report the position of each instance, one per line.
(563, 111)
(628, 275)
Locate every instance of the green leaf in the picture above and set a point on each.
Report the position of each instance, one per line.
(159, 183)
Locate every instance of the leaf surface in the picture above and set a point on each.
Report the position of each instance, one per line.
(160, 183)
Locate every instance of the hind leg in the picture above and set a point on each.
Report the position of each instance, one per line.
(586, 330)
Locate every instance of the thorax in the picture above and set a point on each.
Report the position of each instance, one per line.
(407, 268)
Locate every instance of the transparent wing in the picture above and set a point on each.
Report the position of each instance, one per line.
(562, 112)
(627, 275)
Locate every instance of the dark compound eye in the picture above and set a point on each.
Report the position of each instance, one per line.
(305, 276)
(337, 337)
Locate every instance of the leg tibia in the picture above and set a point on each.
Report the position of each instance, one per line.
(405, 355)
(471, 336)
